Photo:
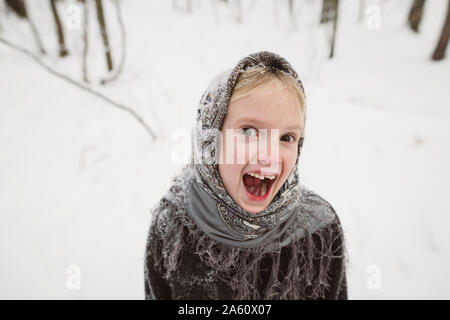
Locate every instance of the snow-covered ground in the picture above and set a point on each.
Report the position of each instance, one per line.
(78, 177)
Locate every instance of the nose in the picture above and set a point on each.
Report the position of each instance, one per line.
(264, 159)
(268, 151)
(269, 162)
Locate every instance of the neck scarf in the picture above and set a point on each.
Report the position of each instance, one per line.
(210, 206)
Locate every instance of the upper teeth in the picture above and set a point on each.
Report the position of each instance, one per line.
(261, 177)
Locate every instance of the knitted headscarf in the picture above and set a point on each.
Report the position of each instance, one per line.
(197, 211)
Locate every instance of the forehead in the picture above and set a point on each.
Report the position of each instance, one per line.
(271, 105)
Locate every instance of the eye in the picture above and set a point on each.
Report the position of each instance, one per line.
(290, 138)
(248, 131)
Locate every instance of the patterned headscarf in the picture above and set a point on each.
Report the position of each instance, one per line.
(211, 114)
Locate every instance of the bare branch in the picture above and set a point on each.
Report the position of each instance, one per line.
(20, 8)
(81, 86)
(439, 52)
(85, 40)
(59, 30)
(104, 32)
(415, 15)
(123, 40)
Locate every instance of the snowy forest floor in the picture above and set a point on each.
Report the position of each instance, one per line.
(78, 177)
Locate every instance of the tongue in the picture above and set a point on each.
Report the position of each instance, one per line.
(251, 181)
(252, 184)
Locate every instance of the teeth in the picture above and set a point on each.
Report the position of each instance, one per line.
(261, 177)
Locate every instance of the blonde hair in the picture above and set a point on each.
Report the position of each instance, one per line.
(256, 76)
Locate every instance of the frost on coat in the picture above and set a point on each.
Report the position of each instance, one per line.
(184, 263)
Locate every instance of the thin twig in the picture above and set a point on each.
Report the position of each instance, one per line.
(81, 86)
(85, 40)
(36, 36)
(123, 44)
(59, 30)
(104, 33)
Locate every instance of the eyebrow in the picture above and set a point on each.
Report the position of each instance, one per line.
(261, 123)
(294, 127)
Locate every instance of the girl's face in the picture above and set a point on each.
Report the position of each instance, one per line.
(259, 144)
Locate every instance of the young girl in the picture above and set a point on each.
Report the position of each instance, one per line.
(236, 223)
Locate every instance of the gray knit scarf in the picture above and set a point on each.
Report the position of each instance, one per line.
(220, 222)
(200, 210)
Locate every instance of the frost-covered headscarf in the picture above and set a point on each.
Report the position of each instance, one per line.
(198, 211)
(211, 206)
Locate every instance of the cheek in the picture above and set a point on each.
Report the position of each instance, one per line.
(289, 158)
(230, 174)
(236, 151)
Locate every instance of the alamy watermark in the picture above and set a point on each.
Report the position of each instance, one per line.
(374, 277)
(73, 281)
(230, 148)
(373, 21)
(72, 17)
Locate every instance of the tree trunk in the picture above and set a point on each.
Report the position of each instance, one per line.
(62, 47)
(415, 14)
(20, 8)
(101, 21)
(362, 9)
(291, 6)
(326, 13)
(238, 10)
(85, 39)
(275, 11)
(123, 43)
(0, 17)
(335, 22)
(439, 53)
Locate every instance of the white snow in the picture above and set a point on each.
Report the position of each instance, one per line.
(78, 176)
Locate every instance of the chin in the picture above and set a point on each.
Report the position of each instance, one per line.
(253, 210)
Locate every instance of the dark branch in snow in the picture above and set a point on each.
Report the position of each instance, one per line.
(439, 52)
(123, 40)
(81, 86)
(59, 30)
(85, 40)
(415, 15)
(104, 32)
(20, 8)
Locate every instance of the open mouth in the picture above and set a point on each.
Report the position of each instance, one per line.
(258, 187)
